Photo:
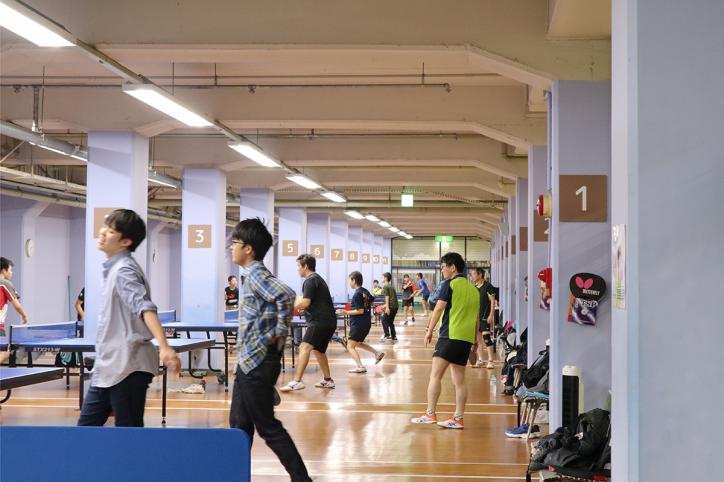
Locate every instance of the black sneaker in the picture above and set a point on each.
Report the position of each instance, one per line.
(277, 399)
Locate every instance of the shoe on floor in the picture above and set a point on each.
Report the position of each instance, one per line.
(292, 386)
(404, 323)
(425, 419)
(276, 398)
(358, 370)
(490, 365)
(379, 357)
(452, 422)
(325, 384)
(517, 432)
(534, 433)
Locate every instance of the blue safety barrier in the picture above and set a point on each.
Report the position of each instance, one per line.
(115, 454)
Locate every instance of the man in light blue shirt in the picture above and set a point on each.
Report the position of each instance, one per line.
(126, 360)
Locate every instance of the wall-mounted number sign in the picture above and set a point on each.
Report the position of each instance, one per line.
(199, 236)
(365, 257)
(352, 256)
(583, 199)
(290, 248)
(523, 238)
(337, 255)
(376, 258)
(385, 260)
(317, 250)
(512, 245)
(99, 219)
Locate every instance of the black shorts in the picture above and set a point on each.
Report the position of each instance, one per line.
(410, 302)
(359, 331)
(454, 351)
(484, 325)
(425, 298)
(319, 336)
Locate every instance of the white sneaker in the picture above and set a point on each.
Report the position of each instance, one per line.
(404, 323)
(490, 365)
(325, 384)
(358, 370)
(292, 386)
(378, 358)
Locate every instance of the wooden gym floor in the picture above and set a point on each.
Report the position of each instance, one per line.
(359, 431)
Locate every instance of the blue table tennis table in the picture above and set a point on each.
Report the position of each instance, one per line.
(48, 337)
(11, 378)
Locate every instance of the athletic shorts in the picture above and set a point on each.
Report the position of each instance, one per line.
(359, 331)
(319, 336)
(454, 351)
(426, 298)
(484, 325)
(408, 302)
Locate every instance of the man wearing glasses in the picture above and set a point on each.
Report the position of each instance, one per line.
(264, 319)
(458, 305)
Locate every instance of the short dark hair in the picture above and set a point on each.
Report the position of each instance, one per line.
(356, 276)
(5, 264)
(454, 259)
(230, 278)
(480, 271)
(420, 275)
(129, 224)
(308, 260)
(253, 232)
(387, 276)
(375, 281)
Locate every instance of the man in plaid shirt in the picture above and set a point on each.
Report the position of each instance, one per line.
(266, 309)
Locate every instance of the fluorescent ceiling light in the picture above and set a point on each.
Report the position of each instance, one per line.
(254, 153)
(373, 218)
(72, 151)
(333, 196)
(402, 233)
(163, 180)
(304, 182)
(166, 103)
(394, 229)
(384, 224)
(407, 200)
(408, 237)
(353, 214)
(32, 26)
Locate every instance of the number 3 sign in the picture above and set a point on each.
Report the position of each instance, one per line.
(199, 236)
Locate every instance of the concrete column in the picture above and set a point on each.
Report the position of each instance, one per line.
(386, 255)
(666, 193)
(354, 252)
(581, 145)
(521, 257)
(376, 267)
(338, 284)
(117, 177)
(538, 319)
(368, 249)
(318, 242)
(18, 231)
(511, 239)
(292, 242)
(203, 242)
(259, 203)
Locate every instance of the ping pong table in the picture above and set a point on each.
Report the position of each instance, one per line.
(11, 378)
(49, 337)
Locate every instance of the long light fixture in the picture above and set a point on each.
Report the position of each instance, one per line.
(163, 180)
(249, 150)
(333, 196)
(373, 218)
(304, 181)
(394, 229)
(384, 224)
(32, 26)
(161, 100)
(354, 214)
(409, 236)
(402, 233)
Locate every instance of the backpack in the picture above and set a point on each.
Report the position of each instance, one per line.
(533, 375)
(368, 301)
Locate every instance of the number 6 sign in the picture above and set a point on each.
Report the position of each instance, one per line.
(317, 250)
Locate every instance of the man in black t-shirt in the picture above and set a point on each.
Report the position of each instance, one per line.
(231, 294)
(484, 342)
(360, 322)
(321, 323)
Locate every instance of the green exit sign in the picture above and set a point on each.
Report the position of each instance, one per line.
(443, 239)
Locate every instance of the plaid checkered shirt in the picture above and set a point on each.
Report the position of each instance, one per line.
(266, 310)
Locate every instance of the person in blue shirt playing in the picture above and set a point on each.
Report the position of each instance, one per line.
(423, 291)
(360, 321)
(265, 316)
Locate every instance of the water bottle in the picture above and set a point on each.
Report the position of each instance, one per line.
(493, 384)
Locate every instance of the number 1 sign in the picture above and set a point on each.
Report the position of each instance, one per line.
(583, 199)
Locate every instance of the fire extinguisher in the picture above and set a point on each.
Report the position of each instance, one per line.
(546, 277)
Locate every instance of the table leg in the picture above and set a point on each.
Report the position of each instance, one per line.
(163, 396)
(226, 362)
(81, 384)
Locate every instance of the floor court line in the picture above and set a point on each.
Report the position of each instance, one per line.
(417, 476)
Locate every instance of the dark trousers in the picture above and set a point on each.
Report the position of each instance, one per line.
(388, 323)
(127, 401)
(252, 406)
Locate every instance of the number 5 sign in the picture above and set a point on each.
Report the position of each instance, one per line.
(199, 236)
(290, 248)
(583, 199)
